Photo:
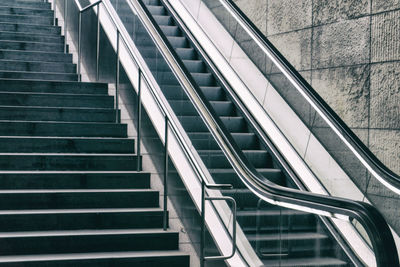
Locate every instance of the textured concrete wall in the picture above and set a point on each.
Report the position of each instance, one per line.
(349, 51)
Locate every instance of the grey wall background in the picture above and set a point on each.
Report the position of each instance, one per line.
(349, 51)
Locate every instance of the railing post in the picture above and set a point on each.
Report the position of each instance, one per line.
(165, 217)
(98, 42)
(203, 221)
(139, 120)
(79, 45)
(65, 25)
(55, 12)
(117, 119)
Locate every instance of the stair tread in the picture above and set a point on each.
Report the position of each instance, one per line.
(56, 108)
(73, 211)
(53, 94)
(94, 255)
(85, 232)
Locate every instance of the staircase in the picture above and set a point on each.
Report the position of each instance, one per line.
(69, 192)
(281, 237)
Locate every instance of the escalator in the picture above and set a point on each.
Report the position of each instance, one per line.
(279, 236)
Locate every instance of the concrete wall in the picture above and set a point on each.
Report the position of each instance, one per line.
(349, 51)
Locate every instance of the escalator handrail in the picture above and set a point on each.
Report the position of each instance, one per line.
(367, 215)
(380, 171)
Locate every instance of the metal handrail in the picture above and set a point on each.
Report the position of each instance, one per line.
(381, 172)
(367, 215)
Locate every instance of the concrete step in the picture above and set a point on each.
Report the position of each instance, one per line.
(87, 241)
(29, 66)
(67, 162)
(57, 114)
(55, 87)
(27, 11)
(66, 145)
(77, 199)
(78, 219)
(30, 28)
(56, 100)
(27, 19)
(12, 75)
(42, 57)
(26, 4)
(31, 46)
(23, 180)
(66, 129)
(31, 37)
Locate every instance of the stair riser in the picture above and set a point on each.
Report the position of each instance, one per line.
(54, 129)
(24, 11)
(38, 20)
(32, 29)
(59, 145)
(37, 67)
(79, 221)
(23, 201)
(89, 243)
(38, 100)
(27, 4)
(31, 38)
(75, 181)
(53, 87)
(148, 261)
(28, 46)
(82, 163)
(64, 115)
(35, 56)
(38, 76)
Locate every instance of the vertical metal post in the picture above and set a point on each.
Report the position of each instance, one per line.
(139, 120)
(98, 42)
(65, 25)
(117, 81)
(165, 217)
(203, 226)
(55, 12)
(79, 46)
